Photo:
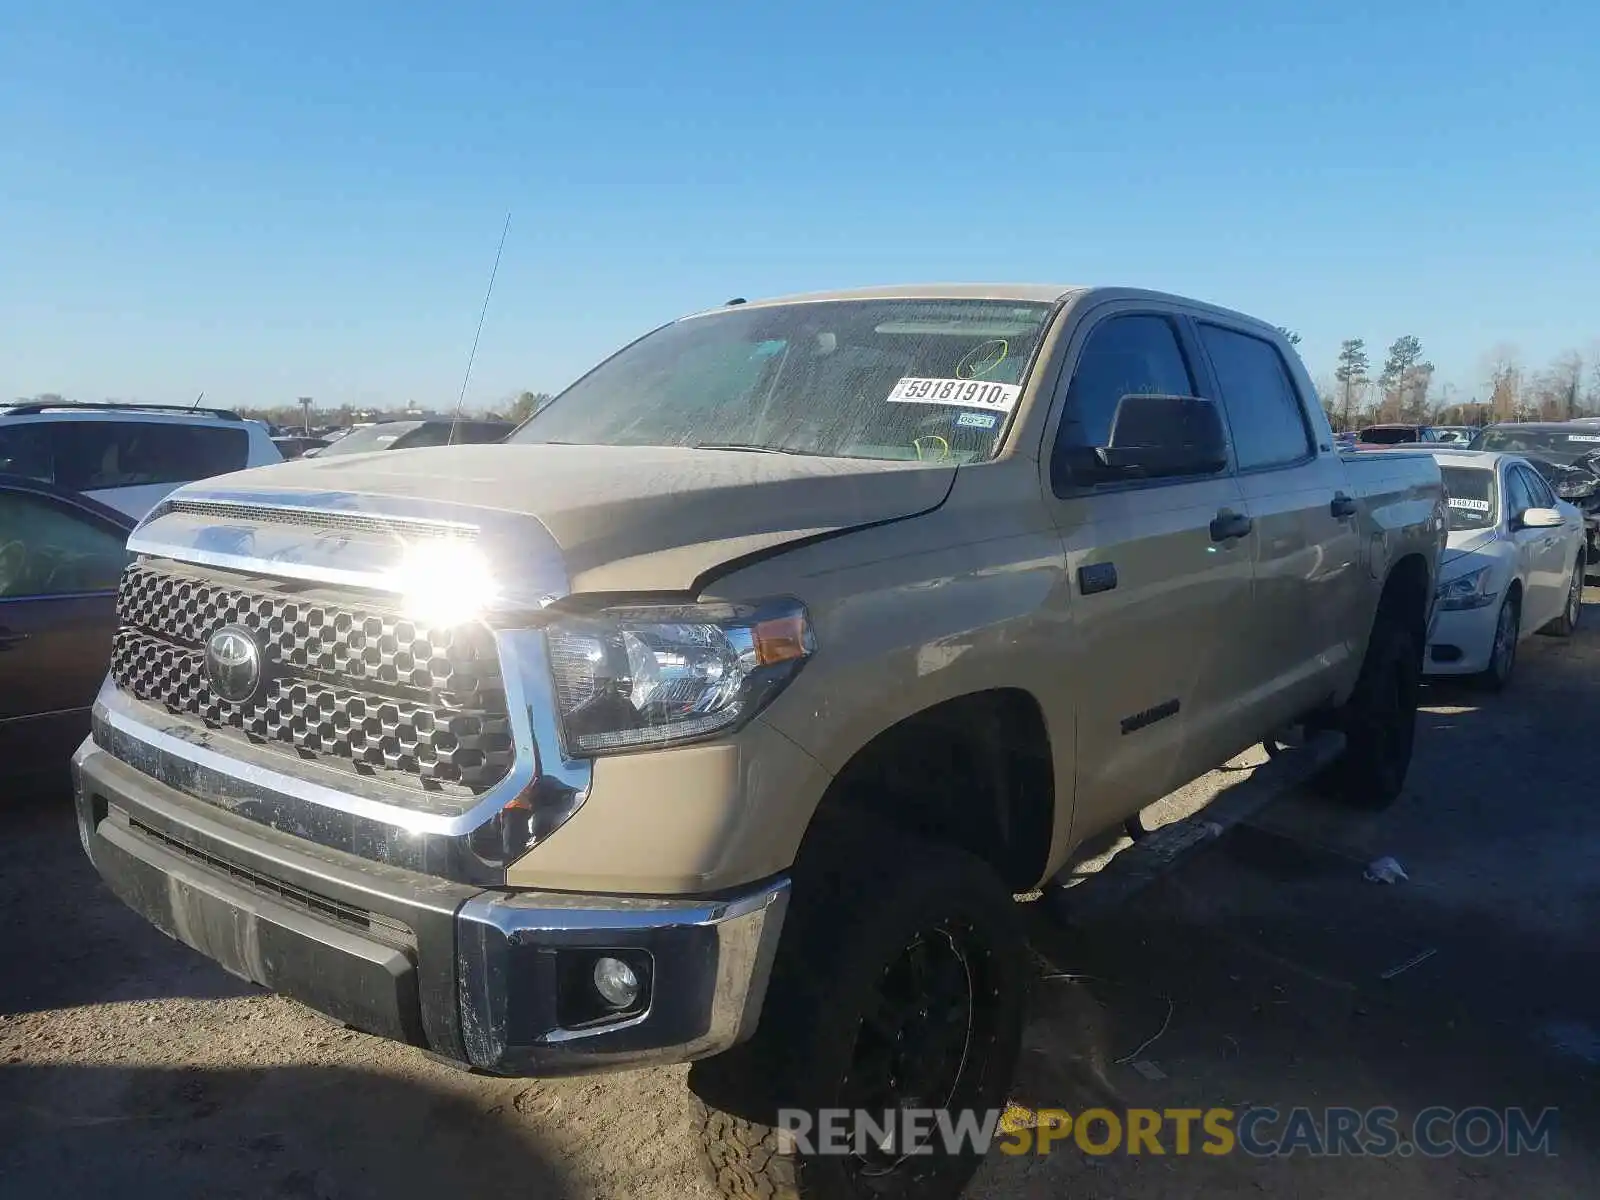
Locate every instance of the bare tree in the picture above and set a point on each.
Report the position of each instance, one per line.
(1502, 377)
(1567, 375)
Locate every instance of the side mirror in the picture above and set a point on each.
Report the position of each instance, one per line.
(1538, 518)
(1154, 437)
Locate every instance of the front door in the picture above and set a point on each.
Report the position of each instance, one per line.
(1161, 577)
(59, 566)
(1549, 566)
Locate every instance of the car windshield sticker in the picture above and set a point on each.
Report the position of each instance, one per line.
(978, 420)
(1583, 437)
(983, 358)
(1469, 505)
(967, 393)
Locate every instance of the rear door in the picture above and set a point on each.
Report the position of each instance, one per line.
(59, 567)
(1160, 606)
(1307, 545)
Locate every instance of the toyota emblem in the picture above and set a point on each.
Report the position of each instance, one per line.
(233, 664)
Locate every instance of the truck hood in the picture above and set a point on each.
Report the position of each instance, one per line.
(548, 520)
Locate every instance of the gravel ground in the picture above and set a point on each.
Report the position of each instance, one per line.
(129, 1065)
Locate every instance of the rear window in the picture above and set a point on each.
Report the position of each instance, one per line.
(1388, 437)
(1470, 497)
(95, 455)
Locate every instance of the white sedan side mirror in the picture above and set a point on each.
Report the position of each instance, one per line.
(1538, 518)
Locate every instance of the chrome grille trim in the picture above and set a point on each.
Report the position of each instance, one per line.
(357, 685)
(321, 518)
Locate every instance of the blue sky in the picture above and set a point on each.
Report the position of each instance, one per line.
(293, 199)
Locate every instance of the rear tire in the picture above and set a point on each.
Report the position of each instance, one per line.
(1379, 720)
(1567, 623)
(1503, 653)
(899, 982)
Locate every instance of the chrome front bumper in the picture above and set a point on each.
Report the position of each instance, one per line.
(484, 977)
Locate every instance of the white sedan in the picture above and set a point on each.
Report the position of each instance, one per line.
(1513, 565)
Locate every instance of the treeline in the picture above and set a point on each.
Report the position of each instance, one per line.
(1402, 390)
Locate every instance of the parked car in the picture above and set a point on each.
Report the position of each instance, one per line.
(1514, 565)
(1395, 435)
(1454, 435)
(1567, 454)
(408, 435)
(61, 555)
(128, 456)
(1567, 443)
(293, 445)
(734, 698)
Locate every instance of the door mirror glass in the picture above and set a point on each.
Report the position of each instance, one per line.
(1155, 437)
(1539, 518)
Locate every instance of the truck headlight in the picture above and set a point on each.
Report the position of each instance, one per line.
(653, 675)
(1466, 591)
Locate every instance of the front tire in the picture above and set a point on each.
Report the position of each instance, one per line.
(1379, 720)
(1567, 623)
(1503, 651)
(899, 983)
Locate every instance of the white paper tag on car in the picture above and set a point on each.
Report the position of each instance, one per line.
(967, 393)
(1583, 437)
(1469, 505)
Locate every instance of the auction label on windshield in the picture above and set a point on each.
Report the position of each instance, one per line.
(1571, 437)
(1469, 505)
(968, 393)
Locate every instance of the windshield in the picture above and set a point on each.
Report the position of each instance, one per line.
(374, 437)
(889, 379)
(1556, 446)
(1470, 494)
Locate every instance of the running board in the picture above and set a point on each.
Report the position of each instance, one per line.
(1141, 862)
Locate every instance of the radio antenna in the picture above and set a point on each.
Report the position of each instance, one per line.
(197, 400)
(461, 400)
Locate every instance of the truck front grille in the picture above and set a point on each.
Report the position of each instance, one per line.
(350, 685)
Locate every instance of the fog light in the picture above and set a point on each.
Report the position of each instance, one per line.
(615, 981)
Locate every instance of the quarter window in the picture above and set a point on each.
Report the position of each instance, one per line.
(1264, 411)
(25, 451)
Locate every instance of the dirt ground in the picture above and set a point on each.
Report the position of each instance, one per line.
(131, 1066)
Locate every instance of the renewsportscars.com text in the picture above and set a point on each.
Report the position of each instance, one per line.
(1260, 1132)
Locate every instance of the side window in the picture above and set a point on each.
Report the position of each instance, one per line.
(91, 455)
(1264, 411)
(25, 451)
(1518, 496)
(50, 549)
(1538, 489)
(1126, 355)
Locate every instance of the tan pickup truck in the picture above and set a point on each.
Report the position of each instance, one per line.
(719, 714)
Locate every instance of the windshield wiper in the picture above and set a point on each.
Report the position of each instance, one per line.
(753, 447)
